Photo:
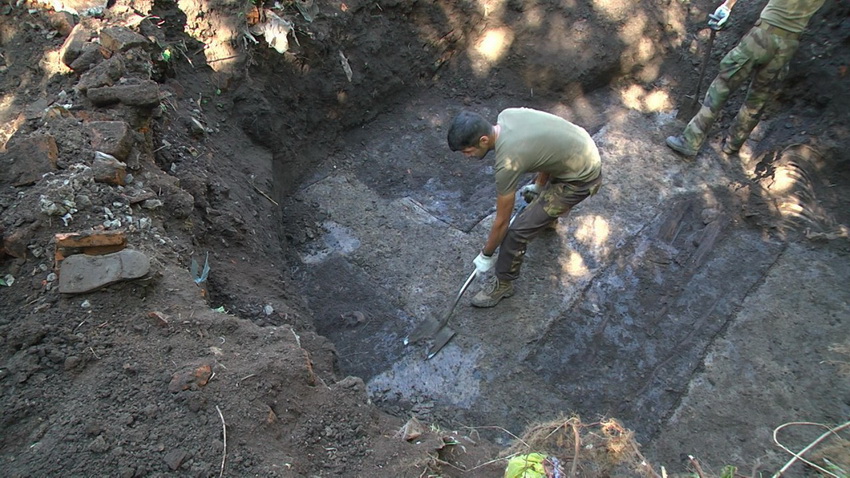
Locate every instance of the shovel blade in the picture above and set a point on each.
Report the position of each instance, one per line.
(425, 329)
(440, 340)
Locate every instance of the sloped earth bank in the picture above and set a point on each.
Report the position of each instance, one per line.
(703, 303)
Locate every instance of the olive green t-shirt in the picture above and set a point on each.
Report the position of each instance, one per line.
(791, 15)
(532, 141)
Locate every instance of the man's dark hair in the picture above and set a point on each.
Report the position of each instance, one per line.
(467, 129)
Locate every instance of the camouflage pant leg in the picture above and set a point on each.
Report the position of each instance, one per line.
(554, 201)
(753, 50)
(761, 90)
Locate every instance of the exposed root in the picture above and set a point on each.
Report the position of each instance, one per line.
(799, 456)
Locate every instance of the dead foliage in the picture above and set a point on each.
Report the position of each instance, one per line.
(603, 448)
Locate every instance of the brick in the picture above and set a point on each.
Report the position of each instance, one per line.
(26, 161)
(145, 93)
(73, 46)
(111, 137)
(90, 242)
(90, 55)
(63, 22)
(16, 242)
(107, 169)
(119, 39)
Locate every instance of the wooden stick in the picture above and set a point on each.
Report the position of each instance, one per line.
(577, 439)
(266, 196)
(224, 434)
(697, 468)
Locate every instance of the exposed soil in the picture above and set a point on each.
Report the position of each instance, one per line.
(703, 304)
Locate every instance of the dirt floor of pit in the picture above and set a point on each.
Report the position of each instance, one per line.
(704, 302)
(616, 310)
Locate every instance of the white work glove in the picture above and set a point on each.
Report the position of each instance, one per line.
(719, 18)
(484, 263)
(529, 192)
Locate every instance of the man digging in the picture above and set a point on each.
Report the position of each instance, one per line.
(568, 169)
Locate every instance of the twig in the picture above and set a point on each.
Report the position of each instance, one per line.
(646, 463)
(266, 195)
(496, 460)
(799, 456)
(697, 468)
(224, 434)
(503, 430)
(222, 59)
(577, 439)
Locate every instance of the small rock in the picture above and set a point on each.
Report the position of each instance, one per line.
(71, 362)
(175, 458)
(99, 445)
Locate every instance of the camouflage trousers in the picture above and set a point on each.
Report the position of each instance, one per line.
(764, 54)
(557, 199)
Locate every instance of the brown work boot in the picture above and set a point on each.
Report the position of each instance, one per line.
(493, 293)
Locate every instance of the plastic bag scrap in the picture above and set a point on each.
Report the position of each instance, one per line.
(201, 277)
(534, 465)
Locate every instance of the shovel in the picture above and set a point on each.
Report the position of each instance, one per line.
(444, 332)
(690, 108)
(439, 330)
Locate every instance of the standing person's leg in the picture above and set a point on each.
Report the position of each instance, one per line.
(762, 89)
(735, 67)
(555, 201)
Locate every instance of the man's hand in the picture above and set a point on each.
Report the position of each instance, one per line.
(484, 263)
(719, 18)
(529, 192)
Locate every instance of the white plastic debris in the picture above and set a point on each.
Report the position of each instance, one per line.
(275, 30)
(346, 67)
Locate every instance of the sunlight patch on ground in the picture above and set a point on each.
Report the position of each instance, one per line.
(534, 15)
(641, 52)
(51, 63)
(614, 10)
(592, 230)
(490, 48)
(218, 38)
(638, 98)
(493, 7)
(7, 126)
(573, 267)
(785, 178)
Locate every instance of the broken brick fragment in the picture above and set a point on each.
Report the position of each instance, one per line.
(107, 169)
(191, 378)
(159, 318)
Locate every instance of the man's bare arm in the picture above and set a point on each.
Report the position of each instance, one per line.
(504, 208)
